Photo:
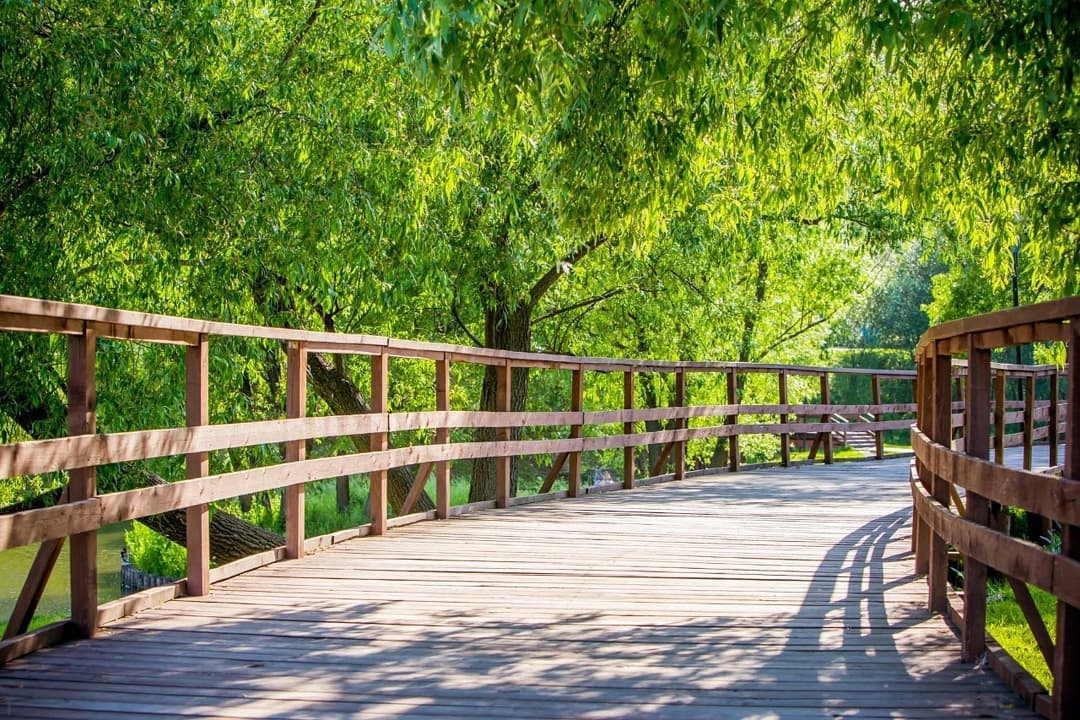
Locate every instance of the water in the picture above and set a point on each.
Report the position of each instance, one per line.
(15, 564)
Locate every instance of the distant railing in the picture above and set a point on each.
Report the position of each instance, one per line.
(82, 510)
(947, 459)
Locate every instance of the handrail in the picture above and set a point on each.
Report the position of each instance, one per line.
(945, 461)
(84, 509)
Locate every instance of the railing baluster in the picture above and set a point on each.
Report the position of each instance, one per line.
(1029, 420)
(504, 402)
(380, 365)
(827, 418)
(733, 420)
(1001, 379)
(941, 422)
(82, 420)
(577, 404)
(442, 435)
(628, 428)
(1066, 670)
(976, 444)
(879, 435)
(1055, 418)
(680, 423)
(197, 407)
(785, 438)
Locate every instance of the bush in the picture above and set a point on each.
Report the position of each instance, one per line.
(154, 553)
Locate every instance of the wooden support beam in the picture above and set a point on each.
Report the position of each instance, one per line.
(1034, 619)
(380, 379)
(1029, 420)
(1066, 665)
(442, 436)
(976, 444)
(82, 420)
(628, 429)
(661, 461)
(879, 435)
(36, 580)
(941, 423)
(1001, 378)
(553, 472)
(577, 404)
(295, 407)
(925, 422)
(417, 487)
(1055, 417)
(733, 419)
(197, 409)
(502, 464)
(826, 437)
(785, 438)
(680, 423)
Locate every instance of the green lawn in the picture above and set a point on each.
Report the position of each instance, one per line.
(1006, 624)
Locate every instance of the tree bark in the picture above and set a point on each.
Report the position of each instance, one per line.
(345, 398)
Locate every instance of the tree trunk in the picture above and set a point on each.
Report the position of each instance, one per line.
(504, 329)
(345, 398)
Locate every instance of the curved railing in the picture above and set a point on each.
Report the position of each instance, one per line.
(945, 462)
(84, 510)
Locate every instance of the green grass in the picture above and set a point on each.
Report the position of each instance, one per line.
(38, 622)
(1006, 624)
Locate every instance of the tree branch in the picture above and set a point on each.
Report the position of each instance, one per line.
(461, 324)
(549, 278)
(587, 303)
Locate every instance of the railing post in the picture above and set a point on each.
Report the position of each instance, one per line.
(680, 424)
(1066, 670)
(502, 465)
(1000, 386)
(941, 422)
(197, 406)
(1055, 419)
(82, 420)
(879, 435)
(577, 404)
(977, 510)
(826, 417)
(442, 436)
(785, 438)
(628, 428)
(924, 398)
(733, 420)
(295, 407)
(1029, 420)
(380, 365)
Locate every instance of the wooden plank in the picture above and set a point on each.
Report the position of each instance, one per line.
(197, 465)
(680, 423)
(1066, 666)
(785, 438)
(733, 419)
(442, 437)
(379, 441)
(577, 404)
(503, 403)
(977, 444)
(940, 383)
(628, 429)
(82, 485)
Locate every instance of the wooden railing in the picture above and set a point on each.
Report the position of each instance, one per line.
(945, 462)
(83, 510)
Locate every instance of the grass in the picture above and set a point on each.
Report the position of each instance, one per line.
(1006, 624)
(39, 621)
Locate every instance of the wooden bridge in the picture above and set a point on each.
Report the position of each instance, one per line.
(772, 593)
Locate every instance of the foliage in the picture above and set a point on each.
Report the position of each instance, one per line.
(155, 553)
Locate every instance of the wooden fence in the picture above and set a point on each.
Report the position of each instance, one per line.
(83, 510)
(953, 440)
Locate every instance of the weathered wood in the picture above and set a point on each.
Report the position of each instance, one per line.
(577, 404)
(197, 411)
(1029, 419)
(1000, 390)
(295, 406)
(941, 424)
(82, 485)
(733, 419)
(977, 444)
(680, 423)
(378, 442)
(826, 437)
(442, 436)
(1066, 665)
(628, 429)
(785, 438)
(503, 403)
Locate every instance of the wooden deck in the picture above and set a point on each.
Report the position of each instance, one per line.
(764, 594)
